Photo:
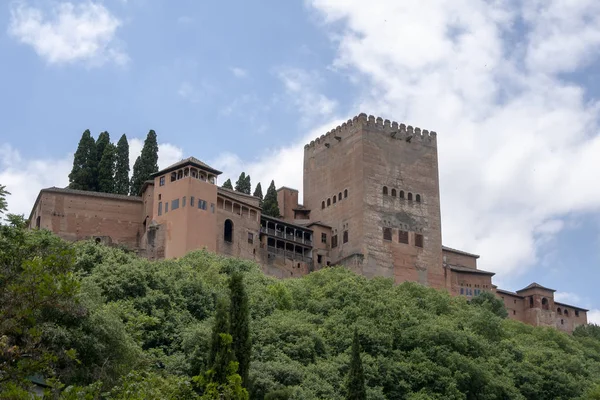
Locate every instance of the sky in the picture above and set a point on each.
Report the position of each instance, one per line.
(511, 87)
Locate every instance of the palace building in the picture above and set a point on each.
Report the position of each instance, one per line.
(371, 203)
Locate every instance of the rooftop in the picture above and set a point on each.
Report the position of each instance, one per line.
(467, 270)
(464, 253)
(535, 285)
(187, 161)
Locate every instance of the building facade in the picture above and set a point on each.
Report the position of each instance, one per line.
(371, 203)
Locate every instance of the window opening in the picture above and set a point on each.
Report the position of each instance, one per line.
(319, 259)
(544, 303)
(324, 238)
(166, 207)
(192, 202)
(228, 231)
(385, 190)
(161, 181)
(345, 239)
(339, 195)
(328, 202)
(418, 240)
(409, 196)
(183, 202)
(174, 204)
(387, 233)
(402, 194)
(173, 176)
(334, 199)
(393, 192)
(250, 238)
(403, 237)
(160, 208)
(322, 204)
(38, 222)
(334, 241)
(418, 198)
(345, 193)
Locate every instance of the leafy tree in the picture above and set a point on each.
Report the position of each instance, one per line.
(356, 378)
(240, 325)
(106, 169)
(3, 202)
(221, 326)
(121, 183)
(240, 184)
(145, 165)
(490, 302)
(258, 192)
(101, 143)
(247, 185)
(227, 184)
(83, 175)
(270, 206)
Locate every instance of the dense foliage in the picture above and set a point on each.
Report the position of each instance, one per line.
(84, 174)
(243, 184)
(145, 165)
(3, 202)
(121, 181)
(99, 322)
(258, 192)
(227, 184)
(270, 206)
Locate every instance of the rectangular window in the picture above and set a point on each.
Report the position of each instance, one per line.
(161, 181)
(387, 233)
(202, 204)
(183, 202)
(319, 259)
(403, 237)
(166, 207)
(477, 291)
(345, 239)
(462, 291)
(174, 204)
(418, 240)
(514, 312)
(212, 208)
(192, 203)
(160, 208)
(334, 241)
(324, 238)
(250, 238)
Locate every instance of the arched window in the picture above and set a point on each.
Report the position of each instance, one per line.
(409, 196)
(566, 312)
(418, 198)
(38, 222)
(322, 204)
(393, 192)
(334, 199)
(173, 176)
(228, 231)
(530, 301)
(345, 193)
(558, 311)
(402, 194)
(544, 303)
(328, 202)
(385, 191)
(339, 195)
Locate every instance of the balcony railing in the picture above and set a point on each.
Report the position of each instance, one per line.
(292, 255)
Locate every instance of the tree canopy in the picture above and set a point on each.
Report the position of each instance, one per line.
(121, 181)
(145, 165)
(83, 175)
(227, 184)
(3, 202)
(270, 206)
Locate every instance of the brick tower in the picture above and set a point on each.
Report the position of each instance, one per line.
(376, 184)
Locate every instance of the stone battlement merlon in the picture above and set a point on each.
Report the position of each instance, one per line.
(396, 130)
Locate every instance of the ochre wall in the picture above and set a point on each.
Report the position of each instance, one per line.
(464, 260)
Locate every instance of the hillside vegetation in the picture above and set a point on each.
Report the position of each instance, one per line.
(99, 322)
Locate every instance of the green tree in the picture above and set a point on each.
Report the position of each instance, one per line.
(258, 192)
(227, 184)
(221, 326)
(490, 302)
(356, 378)
(101, 143)
(240, 184)
(121, 183)
(247, 185)
(83, 175)
(239, 325)
(270, 206)
(145, 165)
(3, 202)
(106, 169)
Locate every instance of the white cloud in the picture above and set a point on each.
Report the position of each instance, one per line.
(24, 178)
(238, 72)
(568, 298)
(71, 33)
(594, 317)
(302, 88)
(518, 143)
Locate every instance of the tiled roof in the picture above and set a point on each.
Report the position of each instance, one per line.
(459, 268)
(464, 253)
(570, 306)
(535, 285)
(508, 292)
(186, 161)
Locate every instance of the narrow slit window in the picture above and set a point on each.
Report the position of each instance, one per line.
(418, 240)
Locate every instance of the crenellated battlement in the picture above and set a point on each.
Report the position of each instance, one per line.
(396, 130)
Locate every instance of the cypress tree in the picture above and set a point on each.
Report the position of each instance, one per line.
(258, 192)
(83, 175)
(356, 378)
(270, 206)
(240, 325)
(221, 326)
(240, 185)
(106, 169)
(247, 185)
(3, 202)
(145, 165)
(101, 143)
(227, 184)
(121, 185)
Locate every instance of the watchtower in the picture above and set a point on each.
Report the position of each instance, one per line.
(375, 182)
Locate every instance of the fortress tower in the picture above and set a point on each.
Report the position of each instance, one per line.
(376, 184)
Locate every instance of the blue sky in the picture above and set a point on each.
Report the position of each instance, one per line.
(512, 90)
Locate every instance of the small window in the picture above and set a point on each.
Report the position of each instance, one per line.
(418, 198)
(202, 204)
(192, 202)
(324, 238)
(160, 196)
(514, 312)
(402, 194)
(161, 181)
(212, 208)
(319, 259)
(387, 233)
(566, 312)
(345, 239)
(393, 192)
(559, 311)
(328, 263)
(173, 176)
(166, 207)
(577, 313)
(174, 204)
(345, 193)
(562, 321)
(409, 196)
(328, 202)
(160, 208)
(38, 222)
(515, 301)
(462, 291)
(228, 231)
(183, 201)
(334, 199)
(339, 195)
(322, 204)
(334, 241)
(418, 240)
(403, 237)
(385, 190)
(250, 238)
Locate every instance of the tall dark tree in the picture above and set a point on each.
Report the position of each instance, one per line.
(83, 176)
(239, 325)
(356, 378)
(247, 185)
(121, 185)
(240, 184)
(106, 169)
(3, 202)
(221, 326)
(258, 192)
(101, 143)
(145, 165)
(227, 184)
(270, 205)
